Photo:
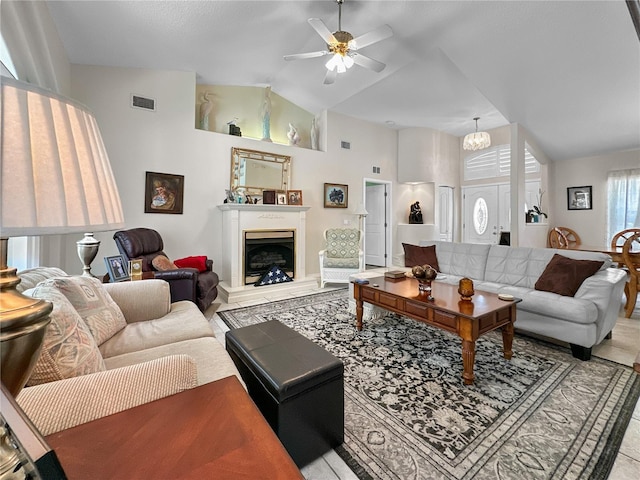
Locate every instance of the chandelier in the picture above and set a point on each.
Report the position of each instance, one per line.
(477, 140)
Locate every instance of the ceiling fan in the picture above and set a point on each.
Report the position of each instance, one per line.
(344, 48)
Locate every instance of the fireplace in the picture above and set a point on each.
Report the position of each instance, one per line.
(263, 249)
(241, 218)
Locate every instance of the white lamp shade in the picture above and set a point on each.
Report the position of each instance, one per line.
(360, 210)
(476, 141)
(55, 172)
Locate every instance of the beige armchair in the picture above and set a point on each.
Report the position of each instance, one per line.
(342, 257)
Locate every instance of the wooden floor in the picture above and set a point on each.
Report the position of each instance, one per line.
(621, 348)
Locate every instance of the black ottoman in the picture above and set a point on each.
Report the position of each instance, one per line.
(296, 384)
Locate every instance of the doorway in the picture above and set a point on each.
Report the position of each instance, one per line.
(377, 223)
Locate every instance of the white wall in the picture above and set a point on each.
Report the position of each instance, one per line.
(166, 141)
(589, 224)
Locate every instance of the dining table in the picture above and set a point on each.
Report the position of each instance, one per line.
(614, 253)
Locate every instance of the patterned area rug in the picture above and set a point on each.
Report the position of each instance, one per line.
(542, 415)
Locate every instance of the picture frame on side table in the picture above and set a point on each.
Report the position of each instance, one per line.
(336, 195)
(579, 198)
(281, 197)
(117, 268)
(163, 193)
(135, 269)
(294, 197)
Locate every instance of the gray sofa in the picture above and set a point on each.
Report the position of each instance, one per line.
(163, 349)
(583, 320)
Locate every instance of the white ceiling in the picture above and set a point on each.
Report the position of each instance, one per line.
(568, 71)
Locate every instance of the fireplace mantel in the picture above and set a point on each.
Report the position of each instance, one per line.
(241, 217)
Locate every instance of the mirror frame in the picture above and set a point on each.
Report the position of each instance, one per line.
(237, 154)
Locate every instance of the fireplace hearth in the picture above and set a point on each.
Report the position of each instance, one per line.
(263, 249)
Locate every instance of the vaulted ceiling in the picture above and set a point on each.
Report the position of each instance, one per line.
(567, 71)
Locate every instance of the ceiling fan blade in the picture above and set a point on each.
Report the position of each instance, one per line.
(367, 62)
(319, 26)
(373, 36)
(330, 77)
(300, 56)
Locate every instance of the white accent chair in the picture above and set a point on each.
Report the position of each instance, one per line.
(342, 257)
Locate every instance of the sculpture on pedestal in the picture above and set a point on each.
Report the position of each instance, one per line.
(205, 109)
(266, 115)
(416, 213)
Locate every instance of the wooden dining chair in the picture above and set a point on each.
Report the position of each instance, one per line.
(631, 258)
(618, 240)
(563, 237)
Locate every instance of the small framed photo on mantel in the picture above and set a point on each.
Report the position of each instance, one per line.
(579, 198)
(294, 197)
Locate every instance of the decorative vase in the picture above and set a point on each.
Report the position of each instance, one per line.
(465, 289)
(425, 274)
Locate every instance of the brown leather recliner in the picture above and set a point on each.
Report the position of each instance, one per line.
(185, 283)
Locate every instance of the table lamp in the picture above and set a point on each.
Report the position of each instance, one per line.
(55, 178)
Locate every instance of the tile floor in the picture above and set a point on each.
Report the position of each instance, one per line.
(622, 348)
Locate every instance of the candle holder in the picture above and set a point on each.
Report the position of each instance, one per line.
(465, 289)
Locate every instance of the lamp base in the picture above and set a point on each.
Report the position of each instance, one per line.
(87, 251)
(23, 321)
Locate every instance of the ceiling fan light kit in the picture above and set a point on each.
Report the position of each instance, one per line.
(477, 140)
(342, 47)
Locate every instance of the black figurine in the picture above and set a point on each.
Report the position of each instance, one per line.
(416, 213)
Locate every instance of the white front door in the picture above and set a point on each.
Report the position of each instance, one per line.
(376, 221)
(480, 206)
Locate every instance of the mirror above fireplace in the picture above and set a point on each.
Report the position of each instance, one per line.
(253, 171)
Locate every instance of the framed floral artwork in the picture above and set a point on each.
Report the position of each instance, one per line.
(336, 195)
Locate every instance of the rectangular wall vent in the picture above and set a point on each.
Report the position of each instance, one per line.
(142, 102)
(345, 145)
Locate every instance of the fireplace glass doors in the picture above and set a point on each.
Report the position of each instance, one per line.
(265, 248)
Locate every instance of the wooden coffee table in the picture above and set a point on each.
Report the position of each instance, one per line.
(484, 313)
(211, 431)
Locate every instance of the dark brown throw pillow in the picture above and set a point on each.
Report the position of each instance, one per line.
(564, 275)
(415, 255)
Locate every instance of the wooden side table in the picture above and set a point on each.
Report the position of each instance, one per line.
(212, 431)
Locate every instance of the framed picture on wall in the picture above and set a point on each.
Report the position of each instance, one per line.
(336, 195)
(579, 198)
(163, 193)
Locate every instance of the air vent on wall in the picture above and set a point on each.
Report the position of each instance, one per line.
(142, 102)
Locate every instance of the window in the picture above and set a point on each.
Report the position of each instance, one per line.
(623, 201)
(496, 162)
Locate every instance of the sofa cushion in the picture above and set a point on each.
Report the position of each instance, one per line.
(183, 322)
(522, 266)
(343, 242)
(212, 360)
(462, 259)
(552, 305)
(68, 349)
(416, 255)
(31, 277)
(93, 303)
(564, 275)
(83, 399)
(162, 263)
(198, 261)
